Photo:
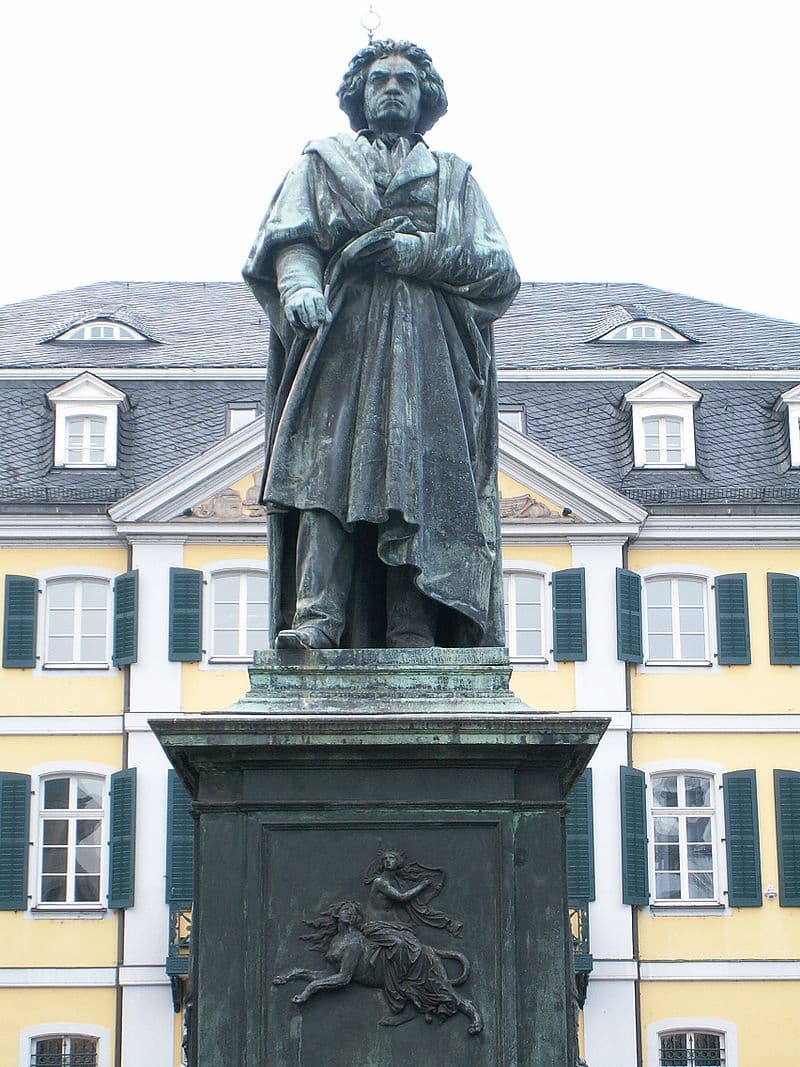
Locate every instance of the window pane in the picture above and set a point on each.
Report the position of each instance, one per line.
(674, 1050)
(660, 647)
(60, 594)
(693, 646)
(666, 828)
(529, 643)
(54, 861)
(529, 589)
(256, 616)
(93, 650)
(90, 793)
(698, 829)
(668, 858)
(226, 642)
(87, 889)
(54, 832)
(56, 793)
(94, 594)
(698, 791)
(658, 592)
(88, 832)
(87, 860)
(226, 588)
(61, 622)
(93, 622)
(692, 620)
(226, 615)
(690, 593)
(668, 886)
(529, 616)
(257, 588)
(701, 886)
(665, 790)
(256, 640)
(699, 857)
(659, 620)
(54, 888)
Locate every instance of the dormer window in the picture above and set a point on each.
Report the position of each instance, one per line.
(86, 414)
(790, 400)
(101, 330)
(662, 411)
(643, 330)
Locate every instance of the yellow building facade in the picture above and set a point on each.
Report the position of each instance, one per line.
(134, 585)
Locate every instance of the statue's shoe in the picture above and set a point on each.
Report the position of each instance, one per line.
(303, 638)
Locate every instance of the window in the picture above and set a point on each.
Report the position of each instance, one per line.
(524, 615)
(677, 620)
(239, 614)
(512, 416)
(663, 441)
(86, 438)
(692, 1048)
(77, 622)
(240, 414)
(66, 1050)
(86, 422)
(643, 330)
(684, 850)
(71, 817)
(101, 330)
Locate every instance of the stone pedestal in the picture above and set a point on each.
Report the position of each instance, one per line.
(331, 758)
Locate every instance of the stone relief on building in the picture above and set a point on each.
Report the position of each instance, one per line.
(377, 945)
(529, 508)
(230, 505)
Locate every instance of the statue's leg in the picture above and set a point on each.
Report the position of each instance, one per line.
(298, 972)
(324, 574)
(410, 616)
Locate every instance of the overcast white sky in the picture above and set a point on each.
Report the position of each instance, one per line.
(617, 141)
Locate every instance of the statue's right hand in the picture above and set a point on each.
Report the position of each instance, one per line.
(306, 309)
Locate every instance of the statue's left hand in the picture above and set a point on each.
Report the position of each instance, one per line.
(402, 255)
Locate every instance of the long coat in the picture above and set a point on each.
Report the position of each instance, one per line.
(387, 416)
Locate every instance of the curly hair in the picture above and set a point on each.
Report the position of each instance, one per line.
(351, 92)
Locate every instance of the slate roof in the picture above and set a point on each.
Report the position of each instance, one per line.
(194, 324)
(742, 445)
(555, 326)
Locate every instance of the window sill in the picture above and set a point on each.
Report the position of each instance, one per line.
(86, 466)
(534, 661)
(69, 911)
(678, 663)
(687, 907)
(236, 661)
(665, 467)
(76, 666)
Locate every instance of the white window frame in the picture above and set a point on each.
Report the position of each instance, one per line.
(790, 400)
(119, 331)
(76, 664)
(251, 408)
(86, 396)
(719, 904)
(710, 635)
(86, 439)
(660, 421)
(31, 1034)
(47, 909)
(79, 669)
(625, 332)
(695, 1024)
(219, 569)
(512, 415)
(532, 569)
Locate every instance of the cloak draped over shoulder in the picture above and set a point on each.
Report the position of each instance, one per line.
(388, 414)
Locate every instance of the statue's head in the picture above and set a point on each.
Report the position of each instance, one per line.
(393, 87)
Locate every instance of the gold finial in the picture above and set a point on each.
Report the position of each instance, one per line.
(371, 21)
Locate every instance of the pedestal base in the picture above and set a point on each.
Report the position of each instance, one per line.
(352, 754)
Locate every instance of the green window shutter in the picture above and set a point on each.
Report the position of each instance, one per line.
(787, 813)
(733, 621)
(180, 843)
(783, 597)
(19, 622)
(741, 839)
(635, 878)
(15, 803)
(569, 614)
(185, 615)
(121, 845)
(580, 842)
(126, 618)
(629, 616)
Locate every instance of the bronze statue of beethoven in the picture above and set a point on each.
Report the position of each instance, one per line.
(382, 268)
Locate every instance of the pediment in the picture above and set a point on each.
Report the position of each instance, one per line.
(222, 485)
(86, 388)
(662, 388)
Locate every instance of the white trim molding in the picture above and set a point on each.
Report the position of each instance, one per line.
(697, 1023)
(61, 1029)
(58, 978)
(720, 971)
(60, 725)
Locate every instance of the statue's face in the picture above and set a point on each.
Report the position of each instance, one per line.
(392, 95)
(347, 913)
(390, 861)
